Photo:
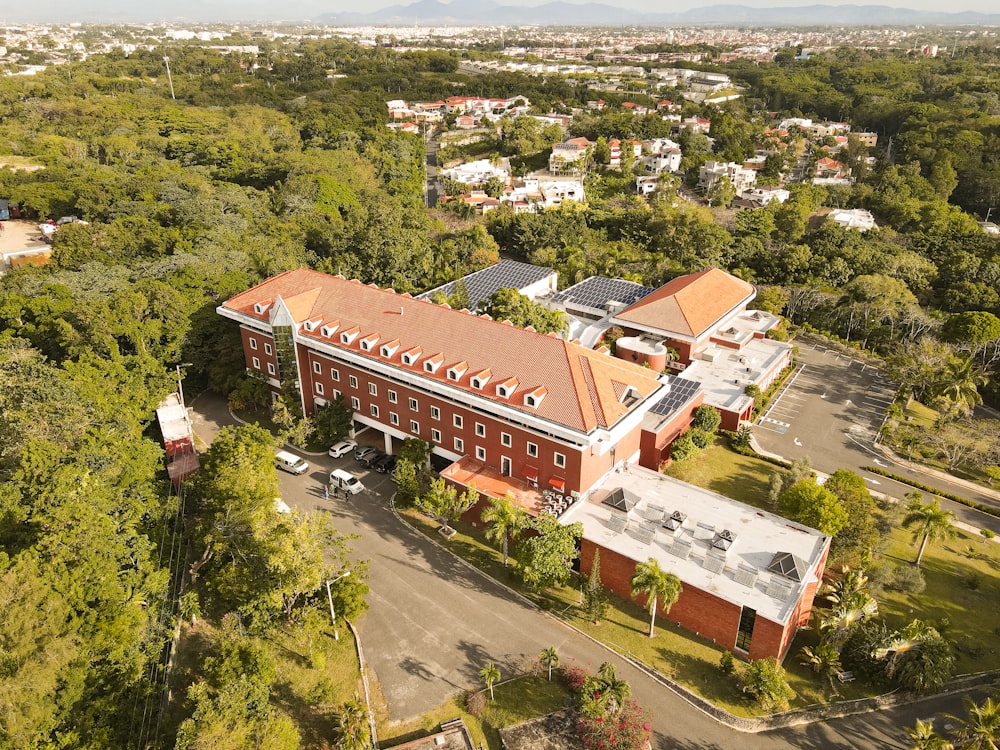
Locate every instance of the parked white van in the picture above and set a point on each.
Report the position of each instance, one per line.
(290, 462)
(342, 480)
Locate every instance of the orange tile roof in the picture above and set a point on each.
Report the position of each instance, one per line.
(573, 399)
(689, 305)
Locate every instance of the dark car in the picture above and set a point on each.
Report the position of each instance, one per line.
(362, 451)
(369, 459)
(385, 464)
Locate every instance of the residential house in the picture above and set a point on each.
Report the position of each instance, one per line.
(566, 157)
(712, 171)
(854, 218)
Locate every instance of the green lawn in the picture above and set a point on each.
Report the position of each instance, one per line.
(514, 702)
(721, 470)
(952, 568)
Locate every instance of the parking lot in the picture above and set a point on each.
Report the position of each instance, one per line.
(830, 410)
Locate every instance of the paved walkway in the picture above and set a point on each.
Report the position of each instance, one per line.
(434, 622)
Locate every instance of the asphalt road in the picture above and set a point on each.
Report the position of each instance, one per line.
(433, 623)
(832, 412)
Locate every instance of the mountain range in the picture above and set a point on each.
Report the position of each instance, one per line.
(477, 13)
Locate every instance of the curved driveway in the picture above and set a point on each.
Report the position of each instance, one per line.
(434, 622)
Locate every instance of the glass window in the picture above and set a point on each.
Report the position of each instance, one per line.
(457, 421)
(435, 413)
(317, 368)
(393, 418)
(267, 349)
(414, 427)
(532, 450)
(373, 389)
(392, 397)
(745, 634)
(559, 459)
(319, 388)
(436, 435)
(334, 374)
(374, 410)
(505, 439)
(355, 404)
(253, 342)
(353, 381)
(270, 368)
(414, 406)
(256, 363)
(459, 445)
(480, 429)
(480, 453)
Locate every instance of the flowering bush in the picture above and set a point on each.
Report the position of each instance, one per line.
(573, 677)
(629, 730)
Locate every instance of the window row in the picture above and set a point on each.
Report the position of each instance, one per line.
(253, 345)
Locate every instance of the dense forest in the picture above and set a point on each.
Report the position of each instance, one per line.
(265, 164)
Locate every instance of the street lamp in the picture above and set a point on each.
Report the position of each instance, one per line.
(329, 596)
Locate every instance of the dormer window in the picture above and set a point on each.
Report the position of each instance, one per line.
(410, 357)
(630, 396)
(389, 348)
(480, 379)
(261, 307)
(348, 336)
(534, 398)
(329, 329)
(506, 388)
(431, 364)
(368, 342)
(456, 371)
(310, 325)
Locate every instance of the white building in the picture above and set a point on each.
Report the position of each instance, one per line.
(712, 171)
(476, 172)
(855, 218)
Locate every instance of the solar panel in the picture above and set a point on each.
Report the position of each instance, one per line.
(681, 391)
(744, 577)
(507, 274)
(597, 291)
(651, 513)
(778, 589)
(617, 522)
(714, 564)
(643, 535)
(681, 548)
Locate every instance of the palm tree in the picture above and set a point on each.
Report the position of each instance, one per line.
(550, 659)
(849, 583)
(980, 730)
(490, 674)
(959, 384)
(925, 738)
(614, 691)
(823, 659)
(911, 637)
(659, 587)
(504, 518)
(855, 608)
(352, 725)
(928, 520)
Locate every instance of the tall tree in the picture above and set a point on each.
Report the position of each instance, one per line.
(546, 557)
(504, 518)
(660, 588)
(595, 597)
(549, 659)
(490, 675)
(923, 737)
(980, 729)
(928, 521)
(812, 504)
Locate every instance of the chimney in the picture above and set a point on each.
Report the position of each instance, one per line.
(400, 309)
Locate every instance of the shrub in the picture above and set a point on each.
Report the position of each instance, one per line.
(572, 676)
(475, 703)
(629, 730)
(908, 579)
(706, 418)
(764, 680)
(700, 438)
(683, 448)
(727, 664)
(973, 581)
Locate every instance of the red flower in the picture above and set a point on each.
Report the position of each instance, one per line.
(645, 726)
(600, 718)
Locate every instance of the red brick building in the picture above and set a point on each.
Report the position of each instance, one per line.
(748, 577)
(524, 409)
(721, 344)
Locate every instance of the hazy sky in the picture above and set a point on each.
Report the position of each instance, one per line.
(101, 11)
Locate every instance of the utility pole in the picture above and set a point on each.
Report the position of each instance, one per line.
(170, 80)
(329, 596)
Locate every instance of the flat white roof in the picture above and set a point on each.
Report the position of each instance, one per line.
(742, 578)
